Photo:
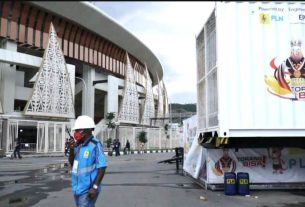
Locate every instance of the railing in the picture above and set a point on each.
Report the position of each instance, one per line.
(28, 147)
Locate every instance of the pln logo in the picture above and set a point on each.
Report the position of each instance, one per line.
(265, 18)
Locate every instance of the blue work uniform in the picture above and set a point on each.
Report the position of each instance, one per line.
(88, 158)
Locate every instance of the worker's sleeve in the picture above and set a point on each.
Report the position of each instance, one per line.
(100, 156)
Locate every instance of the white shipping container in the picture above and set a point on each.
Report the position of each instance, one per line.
(251, 71)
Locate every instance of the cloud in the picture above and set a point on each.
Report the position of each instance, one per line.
(169, 29)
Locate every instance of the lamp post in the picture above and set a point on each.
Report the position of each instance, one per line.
(84, 92)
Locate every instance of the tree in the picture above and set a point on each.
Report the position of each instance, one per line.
(109, 117)
(166, 127)
(142, 136)
(109, 142)
(110, 126)
(110, 122)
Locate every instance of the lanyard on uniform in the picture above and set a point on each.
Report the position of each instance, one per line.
(75, 162)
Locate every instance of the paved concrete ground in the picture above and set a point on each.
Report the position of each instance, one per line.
(131, 180)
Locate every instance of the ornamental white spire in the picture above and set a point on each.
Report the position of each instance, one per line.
(149, 106)
(165, 98)
(129, 110)
(52, 93)
(160, 112)
(1, 110)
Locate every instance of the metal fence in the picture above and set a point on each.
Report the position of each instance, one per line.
(157, 138)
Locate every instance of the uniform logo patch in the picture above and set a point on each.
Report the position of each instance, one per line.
(86, 154)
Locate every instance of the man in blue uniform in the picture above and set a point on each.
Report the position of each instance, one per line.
(88, 163)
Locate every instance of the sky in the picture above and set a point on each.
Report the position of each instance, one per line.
(169, 30)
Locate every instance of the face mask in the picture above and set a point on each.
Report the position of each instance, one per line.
(78, 135)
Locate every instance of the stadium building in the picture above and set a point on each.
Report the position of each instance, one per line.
(59, 60)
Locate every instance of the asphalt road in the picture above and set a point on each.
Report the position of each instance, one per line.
(131, 181)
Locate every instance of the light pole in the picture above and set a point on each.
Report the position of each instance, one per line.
(84, 93)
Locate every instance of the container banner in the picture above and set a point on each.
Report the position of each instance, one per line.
(203, 165)
(189, 133)
(264, 165)
(192, 162)
(192, 150)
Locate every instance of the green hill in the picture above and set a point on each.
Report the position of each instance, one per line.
(180, 108)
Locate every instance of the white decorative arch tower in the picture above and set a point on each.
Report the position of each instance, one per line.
(129, 110)
(52, 93)
(160, 110)
(149, 106)
(165, 98)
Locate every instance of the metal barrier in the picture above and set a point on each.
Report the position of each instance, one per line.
(178, 158)
(179, 155)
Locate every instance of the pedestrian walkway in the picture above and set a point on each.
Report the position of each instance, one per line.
(130, 180)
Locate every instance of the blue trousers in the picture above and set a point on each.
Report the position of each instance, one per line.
(84, 201)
